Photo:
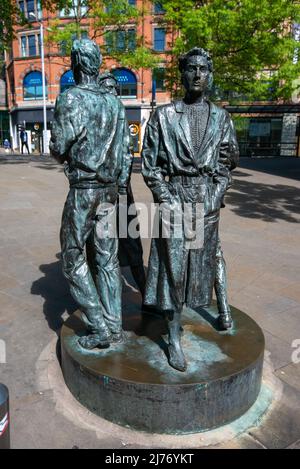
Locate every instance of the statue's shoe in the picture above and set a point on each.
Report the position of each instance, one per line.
(176, 358)
(225, 320)
(95, 340)
(118, 337)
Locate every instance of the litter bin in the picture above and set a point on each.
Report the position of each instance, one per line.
(4, 418)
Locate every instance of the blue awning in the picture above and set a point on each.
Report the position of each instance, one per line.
(124, 76)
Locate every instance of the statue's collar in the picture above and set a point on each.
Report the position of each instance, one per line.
(180, 106)
(90, 87)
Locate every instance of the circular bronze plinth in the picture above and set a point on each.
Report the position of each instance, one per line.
(132, 384)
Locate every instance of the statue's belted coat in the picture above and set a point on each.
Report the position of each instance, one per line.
(174, 173)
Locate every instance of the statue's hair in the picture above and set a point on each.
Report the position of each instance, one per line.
(86, 56)
(106, 76)
(195, 51)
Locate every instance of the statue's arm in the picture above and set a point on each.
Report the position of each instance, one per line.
(151, 164)
(228, 155)
(227, 161)
(127, 155)
(229, 149)
(62, 133)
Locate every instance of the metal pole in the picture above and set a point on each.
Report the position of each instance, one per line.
(153, 101)
(4, 418)
(45, 146)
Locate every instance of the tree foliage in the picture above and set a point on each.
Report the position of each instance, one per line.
(9, 15)
(250, 41)
(103, 18)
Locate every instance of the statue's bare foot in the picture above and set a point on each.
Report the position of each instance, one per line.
(95, 340)
(225, 320)
(176, 358)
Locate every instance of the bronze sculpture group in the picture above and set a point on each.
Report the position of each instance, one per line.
(188, 154)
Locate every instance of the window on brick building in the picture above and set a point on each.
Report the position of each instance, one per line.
(65, 46)
(109, 6)
(31, 9)
(33, 86)
(159, 39)
(120, 40)
(158, 9)
(159, 75)
(127, 84)
(67, 81)
(30, 45)
(78, 8)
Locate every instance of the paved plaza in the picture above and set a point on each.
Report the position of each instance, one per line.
(260, 233)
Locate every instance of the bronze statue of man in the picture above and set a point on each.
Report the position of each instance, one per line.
(90, 135)
(189, 150)
(108, 83)
(130, 249)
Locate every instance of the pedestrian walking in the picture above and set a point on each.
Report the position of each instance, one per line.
(24, 141)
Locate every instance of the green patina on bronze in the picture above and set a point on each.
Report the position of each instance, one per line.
(189, 151)
(90, 136)
(132, 384)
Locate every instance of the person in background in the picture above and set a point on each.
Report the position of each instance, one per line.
(24, 141)
(7, 145)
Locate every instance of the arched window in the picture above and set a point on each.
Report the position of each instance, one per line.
(33, 86)
(67, 81)
(127, 83)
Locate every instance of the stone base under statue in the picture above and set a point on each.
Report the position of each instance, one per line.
(132, 384)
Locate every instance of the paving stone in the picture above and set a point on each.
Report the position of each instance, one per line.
(243, 442)
(295, 445)
(290, 374)
(282, 427)
(260, 234)
(278, 351)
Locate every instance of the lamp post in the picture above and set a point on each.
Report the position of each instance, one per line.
(45, 139)
(153, 97)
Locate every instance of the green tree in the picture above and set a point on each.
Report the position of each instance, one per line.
(116, 20)
(9, 15)
(251, 43)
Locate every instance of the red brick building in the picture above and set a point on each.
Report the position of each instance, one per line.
(24, 77)
(264, 128)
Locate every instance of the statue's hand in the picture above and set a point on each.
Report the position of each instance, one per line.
(215, 196)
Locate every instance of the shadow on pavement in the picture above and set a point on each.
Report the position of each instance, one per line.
(264, 201)
(50, 166)
(288, 167)
(3, 162)
(54, 288)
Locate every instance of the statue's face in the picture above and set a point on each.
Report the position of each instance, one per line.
(109, 85)
(196, 74)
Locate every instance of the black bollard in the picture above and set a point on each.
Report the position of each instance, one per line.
(4, 418)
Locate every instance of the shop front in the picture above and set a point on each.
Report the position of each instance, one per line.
(32, 121)
(259, 136)
(4, 127)
(267, 131)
